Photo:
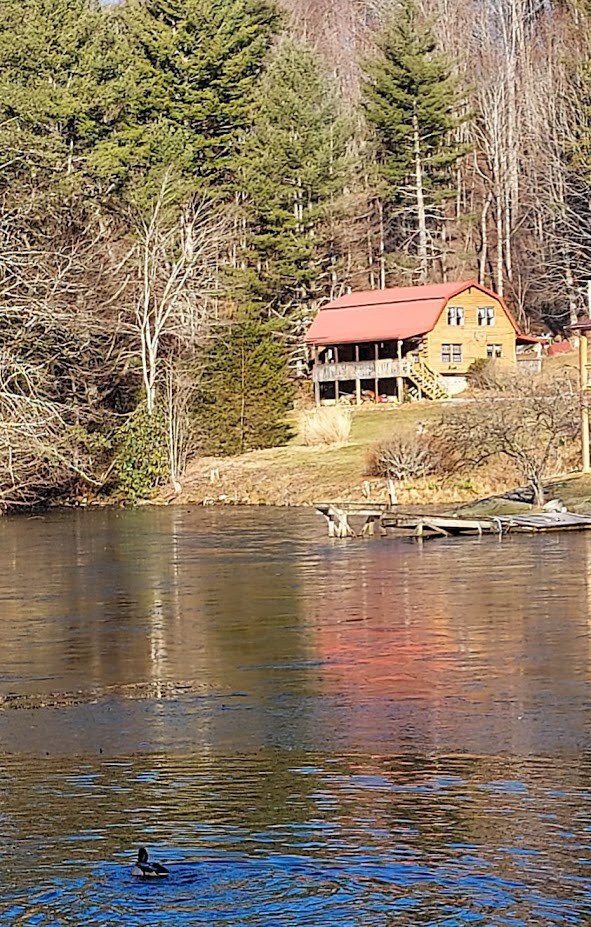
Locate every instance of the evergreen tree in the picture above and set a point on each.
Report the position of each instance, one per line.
(292, 172)
(411, 102)
(62, 88)
(194, 67)
(244, 394)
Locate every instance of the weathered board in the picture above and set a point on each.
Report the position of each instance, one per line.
(425, 525)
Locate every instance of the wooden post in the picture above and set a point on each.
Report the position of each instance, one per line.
(392, 496)
(584, 376)
(376, 378)
(316, 382)
(357, 380)
(368, 529)
(336, 382)
(399, 380)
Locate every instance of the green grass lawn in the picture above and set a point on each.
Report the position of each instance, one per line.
(371, 424)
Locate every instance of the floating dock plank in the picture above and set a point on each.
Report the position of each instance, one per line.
(546, 521)
(428, 525)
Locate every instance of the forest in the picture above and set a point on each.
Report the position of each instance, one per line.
(184, 182)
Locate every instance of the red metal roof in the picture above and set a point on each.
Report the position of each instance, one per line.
(533, 339)
(381, 315)
(561, 347)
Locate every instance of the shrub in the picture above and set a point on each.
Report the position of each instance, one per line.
(328, 425)
(477, 373)
(142, 458)
(404, 456)
(495, 376)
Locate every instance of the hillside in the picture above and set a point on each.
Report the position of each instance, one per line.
(297, 475)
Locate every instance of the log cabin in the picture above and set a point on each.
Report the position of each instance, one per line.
(408, 342)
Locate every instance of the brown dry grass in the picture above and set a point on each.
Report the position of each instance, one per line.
(329, 426)
(298, 475)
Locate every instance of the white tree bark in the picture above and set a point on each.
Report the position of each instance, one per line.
(420, 200)
(178, 270)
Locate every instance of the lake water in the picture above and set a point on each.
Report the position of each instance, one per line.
(311, 732)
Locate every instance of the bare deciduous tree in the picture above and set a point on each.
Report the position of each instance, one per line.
(534, 428)
(178, 257)
(180, 387)
(40, 451)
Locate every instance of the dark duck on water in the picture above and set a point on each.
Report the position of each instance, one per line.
(145, 870)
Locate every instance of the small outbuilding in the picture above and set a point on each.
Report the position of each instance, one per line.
(385, 345)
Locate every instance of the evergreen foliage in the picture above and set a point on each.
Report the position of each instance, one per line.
(62, 88)
(412, 103)
(293, 168)
(193, 68)
(141, 464)
(409, 81)
(244, 393)
(121, 124)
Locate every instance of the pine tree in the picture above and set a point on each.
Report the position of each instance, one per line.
(62, 88)
(194, 67)
(411, 103)
(292, 172)
(244, 393)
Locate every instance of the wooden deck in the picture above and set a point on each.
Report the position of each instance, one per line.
(386, 518)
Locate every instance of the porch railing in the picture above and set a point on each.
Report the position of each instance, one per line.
(361, 370)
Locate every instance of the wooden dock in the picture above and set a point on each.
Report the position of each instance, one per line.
(386, 518)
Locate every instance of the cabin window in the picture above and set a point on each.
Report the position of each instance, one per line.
(455, 315)
(451, 353)
(486, 315)
(494, 350)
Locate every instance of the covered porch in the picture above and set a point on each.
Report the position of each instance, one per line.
(379, 372)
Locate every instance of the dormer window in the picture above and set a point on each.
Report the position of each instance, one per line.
(455, 315)
(486, 315)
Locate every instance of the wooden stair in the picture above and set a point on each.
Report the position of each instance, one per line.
(427, 381)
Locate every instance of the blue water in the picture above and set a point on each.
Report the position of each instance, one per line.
(306, 732)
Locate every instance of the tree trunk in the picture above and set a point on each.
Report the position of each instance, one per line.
(382, 246)
(149, 364)
(570, 284)
(500, 277)
(538, 489)
(444, 267)
(483, 257)
(421, 212)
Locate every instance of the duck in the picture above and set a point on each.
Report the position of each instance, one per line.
(145, 870)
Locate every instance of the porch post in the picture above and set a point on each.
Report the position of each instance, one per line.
(316, 382)
(376, 380)
(399, 379)
(336, 382)
(357, 380)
